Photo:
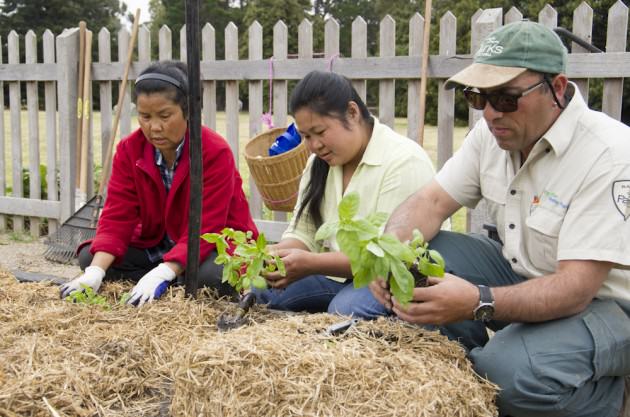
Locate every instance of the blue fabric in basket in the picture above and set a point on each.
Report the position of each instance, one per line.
(285, 142)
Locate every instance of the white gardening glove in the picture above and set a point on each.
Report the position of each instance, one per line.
(152, 285)
(91, 277)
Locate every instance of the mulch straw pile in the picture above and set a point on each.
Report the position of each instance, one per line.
(167, 358)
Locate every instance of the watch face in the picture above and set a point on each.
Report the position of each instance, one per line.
(484, 312)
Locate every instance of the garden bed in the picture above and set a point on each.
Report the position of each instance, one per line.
(167, 358)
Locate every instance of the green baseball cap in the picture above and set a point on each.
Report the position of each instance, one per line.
(510, 51)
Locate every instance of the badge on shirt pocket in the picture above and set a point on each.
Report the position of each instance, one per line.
(621, 197)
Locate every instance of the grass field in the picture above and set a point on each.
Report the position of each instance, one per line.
(430, 144)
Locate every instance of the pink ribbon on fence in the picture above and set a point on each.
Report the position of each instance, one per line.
(330, 61)
(267, 118)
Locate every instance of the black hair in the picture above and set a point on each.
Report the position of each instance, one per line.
(177, 89)
(327, 94)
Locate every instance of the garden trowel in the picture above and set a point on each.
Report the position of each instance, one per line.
(232, 321)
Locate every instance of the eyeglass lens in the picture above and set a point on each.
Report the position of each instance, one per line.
(499, 101)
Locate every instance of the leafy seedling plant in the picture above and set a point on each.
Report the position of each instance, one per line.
(244, 266)
(89, 297)
(373, 254)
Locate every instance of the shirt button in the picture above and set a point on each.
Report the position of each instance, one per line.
(514, 260)
(513, 192)
(511, 226)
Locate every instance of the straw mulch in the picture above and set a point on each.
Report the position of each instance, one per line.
(167, 358)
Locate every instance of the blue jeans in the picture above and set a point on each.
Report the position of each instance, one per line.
(316, 293)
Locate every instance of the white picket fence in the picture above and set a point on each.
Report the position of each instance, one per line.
(59, 67)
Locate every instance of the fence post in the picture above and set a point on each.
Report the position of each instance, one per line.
(67, 68)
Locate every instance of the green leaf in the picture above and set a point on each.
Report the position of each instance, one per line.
(281, 269)
(211, 237)
(347, 242)
(254, 268)
(430, 270)
(326, 230)
(375, 249)
(402, 278)
(417, 238)
(437, 258)
(363, 277)
(349, 206)
(365, 230)
(381, 267)
(225, 275)
(378, 218)
(401, 295)
(261, 242)
(221, 259)
(259, 282)
(396, 248)
(246, 282)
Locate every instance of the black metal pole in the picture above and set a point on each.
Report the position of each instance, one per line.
(194, 128)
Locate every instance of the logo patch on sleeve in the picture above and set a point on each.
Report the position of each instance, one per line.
(621, 197)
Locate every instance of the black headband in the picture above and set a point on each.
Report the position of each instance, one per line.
(161, 77)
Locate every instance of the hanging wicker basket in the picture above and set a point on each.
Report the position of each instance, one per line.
(277, 177)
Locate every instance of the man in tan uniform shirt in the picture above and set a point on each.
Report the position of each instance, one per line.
(556, 289)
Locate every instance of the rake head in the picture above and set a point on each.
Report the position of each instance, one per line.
(62, 244)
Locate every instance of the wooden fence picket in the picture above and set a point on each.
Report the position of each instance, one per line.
(582, 27)
(280, 100)
(256, 96)
(359, 50)
(446, 98)
(208, 47)
(32, 108)
(15, 109)
(616, 41)
(387, 87)
(50, 100)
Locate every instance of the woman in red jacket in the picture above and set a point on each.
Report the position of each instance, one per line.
(142, 233)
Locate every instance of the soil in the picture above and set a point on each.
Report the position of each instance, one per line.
(418, 279)
(27, 254)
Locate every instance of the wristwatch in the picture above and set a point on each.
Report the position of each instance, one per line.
(485, 310)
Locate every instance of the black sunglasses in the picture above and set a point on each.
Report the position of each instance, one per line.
(503, 102)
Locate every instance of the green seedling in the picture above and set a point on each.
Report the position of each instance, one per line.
(89, 297)
(373, 254)
(244, 259)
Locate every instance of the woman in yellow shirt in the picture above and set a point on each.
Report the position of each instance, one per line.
(351, 151)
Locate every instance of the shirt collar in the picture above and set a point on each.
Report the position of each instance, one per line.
(562, 131)
(376, 147)
(159, 159)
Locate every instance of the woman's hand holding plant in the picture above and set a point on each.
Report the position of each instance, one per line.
(296, 266)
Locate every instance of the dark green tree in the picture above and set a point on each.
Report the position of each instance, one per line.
(56, 15)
